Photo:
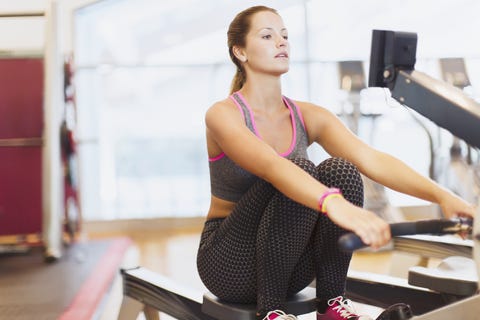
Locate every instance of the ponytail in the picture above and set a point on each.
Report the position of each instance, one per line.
(238, 80)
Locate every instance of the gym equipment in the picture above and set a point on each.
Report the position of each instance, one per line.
(302, 303)
(352, 82)
(69, 155)
(453, 280)
(447, 285)
(392, 61)
(149, 291)
(351, 242)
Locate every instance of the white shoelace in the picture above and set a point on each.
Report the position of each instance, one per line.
(344, 308)
(281, 315)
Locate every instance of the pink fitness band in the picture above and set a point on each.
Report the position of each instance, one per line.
(327, 195)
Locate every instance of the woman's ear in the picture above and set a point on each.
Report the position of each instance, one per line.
(240, 54)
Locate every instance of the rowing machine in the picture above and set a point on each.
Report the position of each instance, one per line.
(453, 282)
(151, 292)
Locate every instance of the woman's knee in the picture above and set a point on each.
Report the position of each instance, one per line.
(340, 173)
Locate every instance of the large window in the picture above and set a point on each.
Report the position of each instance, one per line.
(147, 70)
(145, 76)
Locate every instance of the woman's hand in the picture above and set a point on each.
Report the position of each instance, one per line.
(373, 230)
(454, 206)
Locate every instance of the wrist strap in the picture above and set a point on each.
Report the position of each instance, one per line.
(326, 196)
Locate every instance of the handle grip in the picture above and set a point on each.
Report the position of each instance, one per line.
(350, 242)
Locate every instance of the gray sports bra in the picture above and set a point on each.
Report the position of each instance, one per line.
(228, 181)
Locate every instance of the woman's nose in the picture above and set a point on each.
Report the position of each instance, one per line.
(282, 42)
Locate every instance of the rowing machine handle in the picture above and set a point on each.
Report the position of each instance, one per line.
(350, 242)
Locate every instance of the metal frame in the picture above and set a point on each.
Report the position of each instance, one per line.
(440, 102)
(148, 291)
(151, 292)
(383, 291)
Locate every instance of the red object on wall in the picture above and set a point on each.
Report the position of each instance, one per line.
(21, 127)
(73, 215)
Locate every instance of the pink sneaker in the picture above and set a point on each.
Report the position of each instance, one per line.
(340, 309)
(279, 315)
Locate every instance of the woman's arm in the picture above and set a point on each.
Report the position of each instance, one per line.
(383, 168)
(226, 131)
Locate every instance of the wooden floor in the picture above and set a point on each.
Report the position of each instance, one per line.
(172, 252)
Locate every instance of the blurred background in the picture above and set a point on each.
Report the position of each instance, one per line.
(114, 136)
(146, 71)
(130, 81)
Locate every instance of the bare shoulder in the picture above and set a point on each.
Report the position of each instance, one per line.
(221, 104)
(221, 108)
(223, 113)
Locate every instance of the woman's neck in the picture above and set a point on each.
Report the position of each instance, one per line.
(263, 95)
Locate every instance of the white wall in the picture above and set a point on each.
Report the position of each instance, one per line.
(27, 34)
(22, 33)
(449, 32)
(22, 6)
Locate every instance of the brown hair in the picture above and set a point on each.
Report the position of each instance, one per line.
(237, 33)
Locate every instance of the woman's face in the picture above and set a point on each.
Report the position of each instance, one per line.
(267, 49)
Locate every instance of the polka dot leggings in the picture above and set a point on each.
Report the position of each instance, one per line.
(271, 247)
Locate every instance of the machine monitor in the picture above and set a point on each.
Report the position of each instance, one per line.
(392, 63)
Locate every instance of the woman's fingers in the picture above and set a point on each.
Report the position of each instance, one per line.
(373, 231)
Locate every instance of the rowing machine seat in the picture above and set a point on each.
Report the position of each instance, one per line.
(301, 303)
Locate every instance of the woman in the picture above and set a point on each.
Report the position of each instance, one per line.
(275, 217)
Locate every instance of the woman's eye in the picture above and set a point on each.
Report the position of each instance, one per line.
(285, 37)
(267, 36)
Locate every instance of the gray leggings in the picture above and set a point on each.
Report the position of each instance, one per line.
(271, 247)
